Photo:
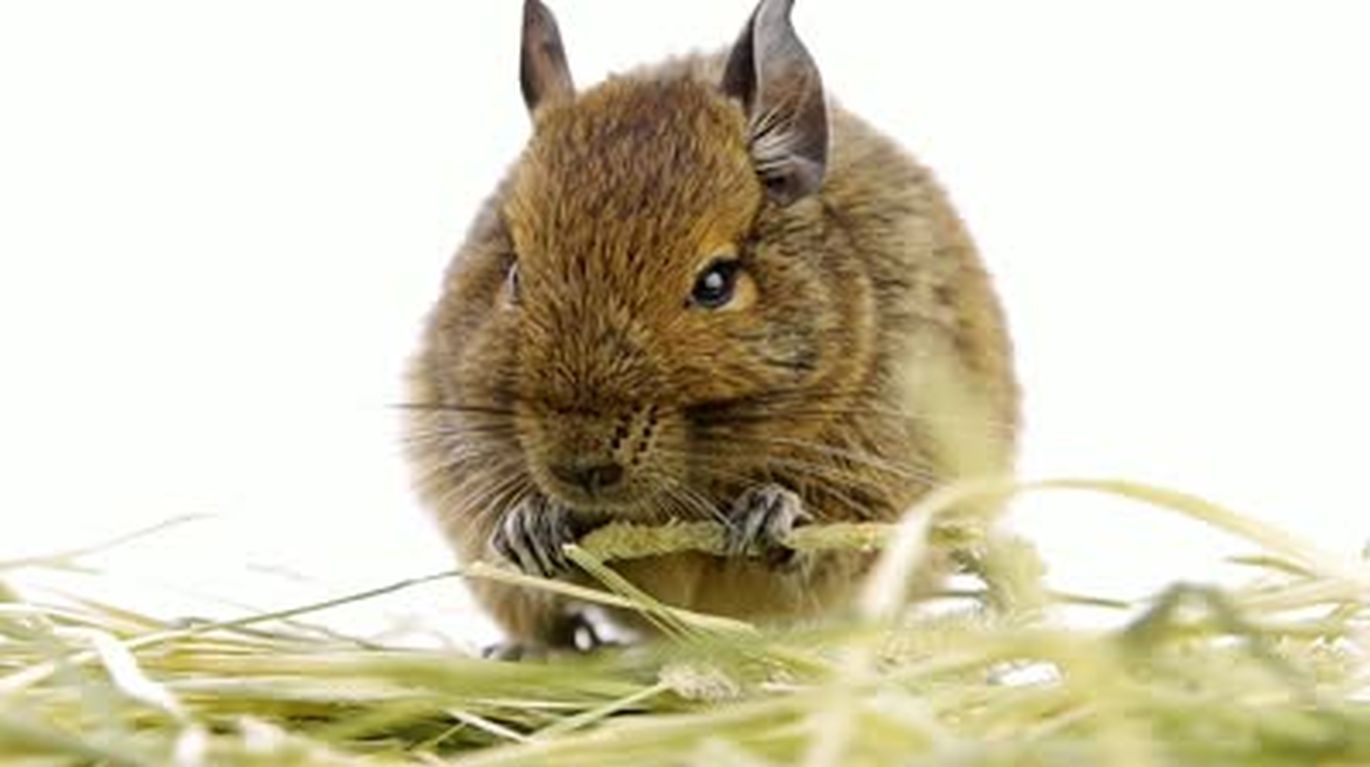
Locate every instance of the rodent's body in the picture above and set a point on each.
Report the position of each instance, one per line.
(863, 302)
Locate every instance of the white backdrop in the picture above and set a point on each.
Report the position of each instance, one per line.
(221, 224)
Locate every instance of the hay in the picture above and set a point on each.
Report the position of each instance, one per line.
(1272, 673)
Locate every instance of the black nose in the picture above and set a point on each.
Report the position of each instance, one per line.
(592, 477)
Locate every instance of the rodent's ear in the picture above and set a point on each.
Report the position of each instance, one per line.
(772, 74)
(543, 73)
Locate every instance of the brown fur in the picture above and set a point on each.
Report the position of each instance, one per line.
(622, 196)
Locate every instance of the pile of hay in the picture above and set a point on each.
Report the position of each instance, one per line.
(1274, 673)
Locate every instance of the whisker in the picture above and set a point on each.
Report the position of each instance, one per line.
(834, 474)
(442, 407)
(904, 469)
(921, 472)
(778, 404)
(488, 501)
(679, 507)
(700, 503)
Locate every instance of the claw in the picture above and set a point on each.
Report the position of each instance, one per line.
(762, 518)
(532, 535)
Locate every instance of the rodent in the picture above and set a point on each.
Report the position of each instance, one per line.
(701, 291)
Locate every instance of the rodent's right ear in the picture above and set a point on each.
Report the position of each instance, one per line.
(543, 73)
(772, 74)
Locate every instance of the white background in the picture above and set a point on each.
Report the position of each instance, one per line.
(221, 224)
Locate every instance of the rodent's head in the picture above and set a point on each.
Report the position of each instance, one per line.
(660, 267)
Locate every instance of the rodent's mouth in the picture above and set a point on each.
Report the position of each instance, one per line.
(619, 502)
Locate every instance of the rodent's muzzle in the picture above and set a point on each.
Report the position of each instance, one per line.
(593, 478)
(601, 460)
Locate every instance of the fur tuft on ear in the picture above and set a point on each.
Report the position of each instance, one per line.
(772, 74)
(543, 73)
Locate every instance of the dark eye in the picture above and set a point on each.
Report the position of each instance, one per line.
(513, 282)
(714, 288)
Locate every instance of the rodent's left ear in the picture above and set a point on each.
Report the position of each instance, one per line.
(543, 73)
(772, 74)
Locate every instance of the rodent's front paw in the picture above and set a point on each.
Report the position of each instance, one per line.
(761, 519)
(532, 536)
